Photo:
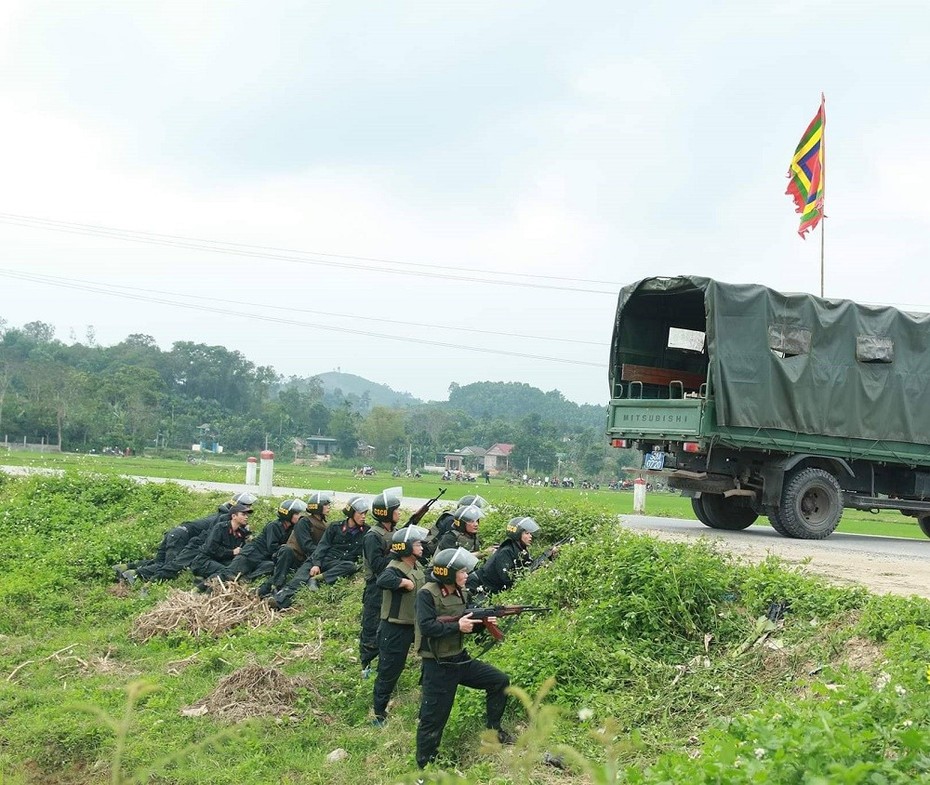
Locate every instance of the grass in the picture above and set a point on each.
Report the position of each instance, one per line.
(230, 469)
(664, 665)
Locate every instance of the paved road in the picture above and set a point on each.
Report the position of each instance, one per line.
(765, 536)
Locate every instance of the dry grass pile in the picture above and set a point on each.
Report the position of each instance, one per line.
(229, 605)
(252, 691)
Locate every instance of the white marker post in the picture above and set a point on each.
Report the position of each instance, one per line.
(251, 470)
(266, 473)
(639, 496)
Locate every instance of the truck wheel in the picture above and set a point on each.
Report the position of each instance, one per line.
(732, 514)
(923, 521)
(698, 506)
(811, 504)
(773, 514)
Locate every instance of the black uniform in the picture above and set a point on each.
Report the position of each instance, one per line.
(502, 568)
(459, 539)
(446, 664)
(376, 552)
(255, 558)
(217, 550)
(185, 542)
(397, 629)
(295, 553)
(337, 554)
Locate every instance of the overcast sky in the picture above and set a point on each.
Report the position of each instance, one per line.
(517, 162)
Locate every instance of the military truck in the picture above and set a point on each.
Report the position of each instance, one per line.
(758, 403)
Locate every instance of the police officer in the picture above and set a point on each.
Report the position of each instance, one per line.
(376, 555)
(464, 532)
(446, 664)
(512, 557)
(256, 556)
(181, 544)
(398, 583)
(223, 543)
(337, 554)
(301, 542)
(445, 520)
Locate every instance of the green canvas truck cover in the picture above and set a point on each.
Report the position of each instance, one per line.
(793, 362)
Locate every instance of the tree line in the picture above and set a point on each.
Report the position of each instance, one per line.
(83, 396)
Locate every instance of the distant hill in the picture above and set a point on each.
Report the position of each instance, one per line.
(337, 386)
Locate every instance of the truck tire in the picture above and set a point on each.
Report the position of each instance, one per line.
(731, 514)
(698, 506)
(923, 521)
(772, 513)
(811, 504)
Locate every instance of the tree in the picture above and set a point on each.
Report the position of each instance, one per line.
(383, 428)
(343, 426)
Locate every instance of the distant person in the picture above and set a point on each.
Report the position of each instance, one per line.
(487, 477)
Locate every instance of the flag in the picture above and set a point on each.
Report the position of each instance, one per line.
(806, 173)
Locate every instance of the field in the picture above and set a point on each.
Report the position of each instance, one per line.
(231, 470)
(658, 663)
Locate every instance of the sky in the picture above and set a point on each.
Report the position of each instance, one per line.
(430, 192)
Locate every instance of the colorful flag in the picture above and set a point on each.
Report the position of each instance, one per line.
(807, 173)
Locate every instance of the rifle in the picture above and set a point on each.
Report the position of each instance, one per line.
(481, 616)
(418, 515)
(549, 553)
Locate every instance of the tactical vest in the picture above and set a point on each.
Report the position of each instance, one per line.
(399, 606)
(385, 536)
(450, 605)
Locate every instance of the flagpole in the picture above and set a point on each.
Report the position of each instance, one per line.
(821, 256)
(823, 175)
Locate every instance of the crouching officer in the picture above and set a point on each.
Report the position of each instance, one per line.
(509, 561)
(446, 664)
(399, 583)
(255, 558)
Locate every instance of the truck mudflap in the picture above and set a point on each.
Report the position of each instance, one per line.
(668, 419)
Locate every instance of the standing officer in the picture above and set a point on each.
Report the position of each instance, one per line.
(399, 583)
(376, 554)
(446, 664)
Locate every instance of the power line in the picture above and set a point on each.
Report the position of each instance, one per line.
(296, 323)
(60, 280)
(257, 252)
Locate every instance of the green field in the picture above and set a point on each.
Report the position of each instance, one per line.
(232, 470)
(658, 663)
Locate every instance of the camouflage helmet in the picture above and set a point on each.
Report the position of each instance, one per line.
(383, 506)
(463, 515)
(449, 561)
(403, 540)
(288, 508)
(356, 504)
(517, 526)
(244, 497)
(472, 499)
(318, 500)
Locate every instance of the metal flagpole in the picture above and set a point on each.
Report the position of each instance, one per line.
(823, 181)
